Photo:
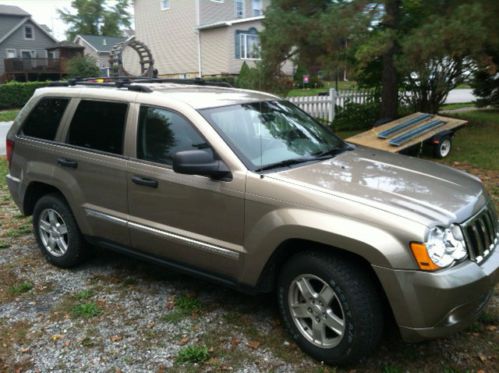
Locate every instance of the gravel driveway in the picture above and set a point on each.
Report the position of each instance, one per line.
(115, 314)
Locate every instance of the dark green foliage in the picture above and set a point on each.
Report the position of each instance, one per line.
(82, 67)
(313, 82)
(486, 81)
(95, 17)
(193, 355)
(16, 94)
(427, 47)
(355, 116)
(247, 77)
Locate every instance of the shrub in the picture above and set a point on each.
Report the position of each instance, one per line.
(354, 116)
(313, 82)
(82, 67)
(16, 94)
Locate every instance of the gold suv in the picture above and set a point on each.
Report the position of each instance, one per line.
(244, 188)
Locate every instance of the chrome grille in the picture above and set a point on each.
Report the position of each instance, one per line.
(481, 234)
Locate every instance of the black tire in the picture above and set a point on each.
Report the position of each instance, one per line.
(443, 148)
(361, 306)
(76, 250)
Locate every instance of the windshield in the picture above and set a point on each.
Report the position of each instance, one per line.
(272, 134)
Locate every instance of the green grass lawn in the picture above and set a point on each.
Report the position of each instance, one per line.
(457, 106)
(315, 91)
(477, 143)
(8, 115)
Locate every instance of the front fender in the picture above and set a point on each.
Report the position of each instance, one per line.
(376, 245)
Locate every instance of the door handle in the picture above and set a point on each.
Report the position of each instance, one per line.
(145, 181)
(64, 162)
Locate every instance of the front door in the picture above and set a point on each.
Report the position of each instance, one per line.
(188, 219)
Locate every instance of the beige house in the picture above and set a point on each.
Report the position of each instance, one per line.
(190, 38)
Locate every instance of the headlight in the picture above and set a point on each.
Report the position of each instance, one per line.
(444, 247)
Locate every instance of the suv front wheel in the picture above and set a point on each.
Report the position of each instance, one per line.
(56, 232)
(330, 307)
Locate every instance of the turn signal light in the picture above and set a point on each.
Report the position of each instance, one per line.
(422, 258)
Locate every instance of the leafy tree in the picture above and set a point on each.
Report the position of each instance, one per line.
(427, 47)
(94, 17)
(82, 67)
(486, 78)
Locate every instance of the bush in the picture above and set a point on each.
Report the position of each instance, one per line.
(314, 80)
(16, 94)
(355, 116)
(82, 67)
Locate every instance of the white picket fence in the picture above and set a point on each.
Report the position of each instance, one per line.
(323, 107)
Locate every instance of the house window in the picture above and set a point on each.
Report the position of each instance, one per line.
(257, 8)
(29, 33)
(11, 53)
(239, 4)
(165, 4)
(249, 46)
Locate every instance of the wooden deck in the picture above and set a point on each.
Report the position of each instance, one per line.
(371, 140)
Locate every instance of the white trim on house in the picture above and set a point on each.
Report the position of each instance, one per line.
(78, 37)
(164, 4)
(32, 52)
(230, 23)
(7, 50)
(25, 29)
(245, 52)
(240, 13)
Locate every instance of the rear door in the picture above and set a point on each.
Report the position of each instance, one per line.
(92, 168)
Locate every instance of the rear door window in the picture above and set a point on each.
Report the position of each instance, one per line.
(99, 125)
(43, 121)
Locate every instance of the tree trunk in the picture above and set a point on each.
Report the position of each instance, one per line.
(389, 91)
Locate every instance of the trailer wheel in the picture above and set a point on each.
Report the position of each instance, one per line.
(443, 148)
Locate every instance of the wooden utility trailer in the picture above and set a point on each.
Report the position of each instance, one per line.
(410, 131)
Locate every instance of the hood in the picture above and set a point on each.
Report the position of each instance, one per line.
(403, 185)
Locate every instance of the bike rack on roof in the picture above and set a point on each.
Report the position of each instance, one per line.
(133, 84)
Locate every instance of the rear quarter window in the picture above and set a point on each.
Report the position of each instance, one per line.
(43, 121)
(99, 125)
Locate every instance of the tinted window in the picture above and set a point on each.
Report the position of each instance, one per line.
(99, 125)
(163, 133)
(44, 119)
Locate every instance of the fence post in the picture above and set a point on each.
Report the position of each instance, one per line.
(332, 103)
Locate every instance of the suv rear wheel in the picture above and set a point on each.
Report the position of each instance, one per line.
(330, 307)
(56, 232)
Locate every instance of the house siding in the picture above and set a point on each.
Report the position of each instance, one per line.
(16, 41)
(212, 12)
(170, 34)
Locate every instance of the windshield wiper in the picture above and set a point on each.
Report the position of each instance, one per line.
(285, 163)
(332, 152)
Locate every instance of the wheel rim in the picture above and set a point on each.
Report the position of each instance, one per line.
(445, 148)
(316, 311)
(53, 232)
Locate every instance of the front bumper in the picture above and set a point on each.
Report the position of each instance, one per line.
(435, 304)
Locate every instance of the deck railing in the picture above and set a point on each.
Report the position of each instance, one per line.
(33, 65)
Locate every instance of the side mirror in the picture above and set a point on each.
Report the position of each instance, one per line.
(200, 162)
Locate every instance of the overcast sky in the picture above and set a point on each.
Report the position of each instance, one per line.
(44, 11)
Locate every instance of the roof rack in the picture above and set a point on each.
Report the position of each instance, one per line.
(133, 84)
